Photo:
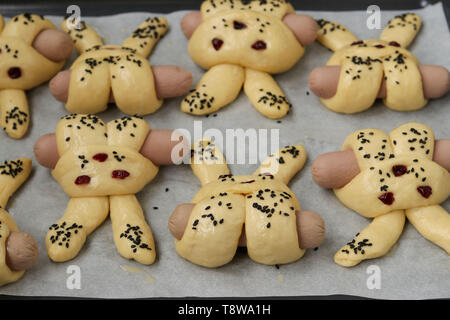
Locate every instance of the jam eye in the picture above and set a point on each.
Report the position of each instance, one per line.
(425, 191)
(217, 43)
(239, 25)
(82, 180)
(399, 170)
(259, 45)
(394, 43)
(387, 198)
(100, 157)
(357, 42)
(120, 174)
(14, 72)
(379, 46)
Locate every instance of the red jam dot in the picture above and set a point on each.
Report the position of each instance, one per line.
(399, 170)
(217, 43)
(239, 25)
(82, 180)
(120, 174)
(394, 43)
(357, 42)
(100, 157)
(379, 46)
(425, 191)
(259, 45)
(387, 198)
(14, 72)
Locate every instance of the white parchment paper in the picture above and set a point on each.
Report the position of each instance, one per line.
(414, 268)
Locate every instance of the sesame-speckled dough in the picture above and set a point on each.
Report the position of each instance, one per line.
(124, 70)
(21, 68)
(398, 177)
(101, 168)
(12, 175)
(365, 63)
(241, 36)
(262, 201)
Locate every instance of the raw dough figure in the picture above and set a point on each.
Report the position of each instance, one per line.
(22, 68)
(18, 250)
(261, 201)
(242, 43)
(364, 64)
(397, 178)
(123, 70)
(101, 168)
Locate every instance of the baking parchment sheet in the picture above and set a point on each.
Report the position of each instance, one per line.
(414, 268)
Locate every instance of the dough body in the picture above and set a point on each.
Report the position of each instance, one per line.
(261, 201)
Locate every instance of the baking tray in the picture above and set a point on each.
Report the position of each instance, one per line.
(101, 8)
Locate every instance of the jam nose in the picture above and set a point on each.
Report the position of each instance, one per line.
(399, 170)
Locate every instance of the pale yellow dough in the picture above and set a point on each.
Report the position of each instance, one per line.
(364, 64)
(22, 68)
(246, 42)
(101, 168)
(123, 70)
(261, 201)
(12, 175)
(398, 177)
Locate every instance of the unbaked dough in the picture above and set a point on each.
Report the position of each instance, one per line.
(398, 176)
(123, 70)
(261, 201)
(242, 43)
(364, 64)
(101, 168)
(22, 68)
(12, 175)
